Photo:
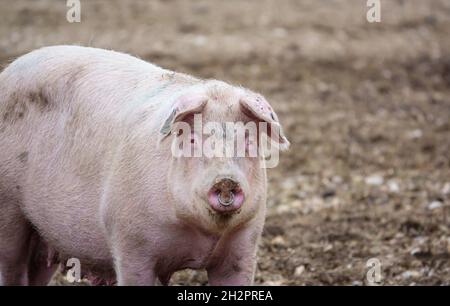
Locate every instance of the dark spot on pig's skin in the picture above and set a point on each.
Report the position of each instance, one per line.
(18, 187)
(16, 108)
(39, 99)
(236, 267)
(23, 157)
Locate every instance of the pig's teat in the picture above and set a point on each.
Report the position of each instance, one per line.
(225, 195)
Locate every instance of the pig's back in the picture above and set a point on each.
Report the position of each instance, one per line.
(63, 77)
(63, 112)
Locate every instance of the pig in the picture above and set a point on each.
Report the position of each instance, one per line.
(87, 172)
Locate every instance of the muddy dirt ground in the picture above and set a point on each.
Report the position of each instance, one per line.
(366, 107)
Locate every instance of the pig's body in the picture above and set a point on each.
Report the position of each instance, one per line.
(82, 175)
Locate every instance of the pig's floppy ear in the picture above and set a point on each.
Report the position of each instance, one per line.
(183, 106)
(257, 107)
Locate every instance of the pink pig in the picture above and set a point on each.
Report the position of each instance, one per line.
(87, 172)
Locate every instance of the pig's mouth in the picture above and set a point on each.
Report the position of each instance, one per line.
(226, 196)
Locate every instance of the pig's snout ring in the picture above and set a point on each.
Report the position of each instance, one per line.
(226, 203)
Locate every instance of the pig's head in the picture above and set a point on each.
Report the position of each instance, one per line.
(217, 191)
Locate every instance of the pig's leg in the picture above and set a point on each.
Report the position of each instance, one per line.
(131, 250)
(135, 271)
(235, 262)
(14, 239)
(41, 275)
(41, 265)
(133, 265)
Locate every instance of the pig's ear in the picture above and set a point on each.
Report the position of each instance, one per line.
(183, 106)
(258, 108)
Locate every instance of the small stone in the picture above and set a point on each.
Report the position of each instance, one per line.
(299, 271)
(281, 209)
(274, 283)
(374, 180)
(446, 188)
(337, 179)
(415, 134)
(393, 187)
(415, 251)
(278, 241)
(411, 274)
(435, 205)
(289, 184)
(328, 247)
(200, 40)
(296, 204)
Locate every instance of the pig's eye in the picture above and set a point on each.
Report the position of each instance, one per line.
(193, 138)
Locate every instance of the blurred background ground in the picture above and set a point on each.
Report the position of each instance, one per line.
(366, 107)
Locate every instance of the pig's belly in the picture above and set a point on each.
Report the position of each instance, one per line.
(66, 215)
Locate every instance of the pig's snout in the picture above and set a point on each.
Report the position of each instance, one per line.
(225, 195)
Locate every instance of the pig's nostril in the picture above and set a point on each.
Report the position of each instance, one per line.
(225, 184)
